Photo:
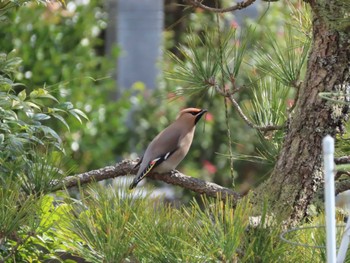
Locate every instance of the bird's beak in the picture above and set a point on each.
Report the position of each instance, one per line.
(199, 115)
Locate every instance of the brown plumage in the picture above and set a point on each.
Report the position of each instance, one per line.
(170, 146)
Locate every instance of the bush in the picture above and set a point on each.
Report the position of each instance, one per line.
(63, 49)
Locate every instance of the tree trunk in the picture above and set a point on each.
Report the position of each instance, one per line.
(299, 172)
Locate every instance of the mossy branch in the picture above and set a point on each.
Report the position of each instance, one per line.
(126, 167)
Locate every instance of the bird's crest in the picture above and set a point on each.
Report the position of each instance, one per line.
(193, 111)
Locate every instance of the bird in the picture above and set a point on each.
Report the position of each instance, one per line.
(170, 146)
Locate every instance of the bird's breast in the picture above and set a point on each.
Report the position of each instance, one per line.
(173, 161)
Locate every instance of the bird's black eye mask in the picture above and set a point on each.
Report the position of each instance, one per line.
(198, 115)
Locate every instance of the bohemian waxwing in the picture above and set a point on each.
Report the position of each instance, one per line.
(170, 146)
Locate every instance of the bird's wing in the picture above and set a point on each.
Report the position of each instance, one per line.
(151, 165)
(169, 139)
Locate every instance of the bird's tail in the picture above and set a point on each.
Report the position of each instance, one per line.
(135, 182)
(144, 173)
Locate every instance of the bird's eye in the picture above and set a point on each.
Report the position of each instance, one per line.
(194, 113)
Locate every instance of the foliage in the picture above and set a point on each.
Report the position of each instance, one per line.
(63, 49)
(25, 138)
(268, 105)
(33, 238)
(115, 225)
(12, 218)
(218, 228)
(203, 68)
(112, 224)
(30, 151)
(100, 222)
(149, 230)
(118, 226)
(30, 155)
(286, 60)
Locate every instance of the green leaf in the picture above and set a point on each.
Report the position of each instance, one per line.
(32, 105)
(42, 94)
(36, 139)
(41, 117)
(16, 105)
(51, 132)
(66, 105)
(22, 95)
(60, 118)
(2, 138)
(268, 103)
(13, 63)
(6, 84)
(15, 142)
(77, 114)
(48, 96)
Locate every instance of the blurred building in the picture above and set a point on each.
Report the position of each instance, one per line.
(136, 26)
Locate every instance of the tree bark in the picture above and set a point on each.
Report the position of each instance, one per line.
(298, 172)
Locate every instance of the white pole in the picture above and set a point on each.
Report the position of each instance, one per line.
(328, 155)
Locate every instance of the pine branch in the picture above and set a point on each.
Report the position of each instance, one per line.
(244, 117)
(237, 6)
(126, 167)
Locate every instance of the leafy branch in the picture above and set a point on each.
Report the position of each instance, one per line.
(23, 112)
(240, 112)
(283, 61)
(218, 63)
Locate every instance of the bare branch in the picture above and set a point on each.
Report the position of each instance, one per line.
(196, 185)
(126, 167)
(338, 174)
(342, 160)
(237, 6)
(244, 117)
(342, 186)
(120, 169)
